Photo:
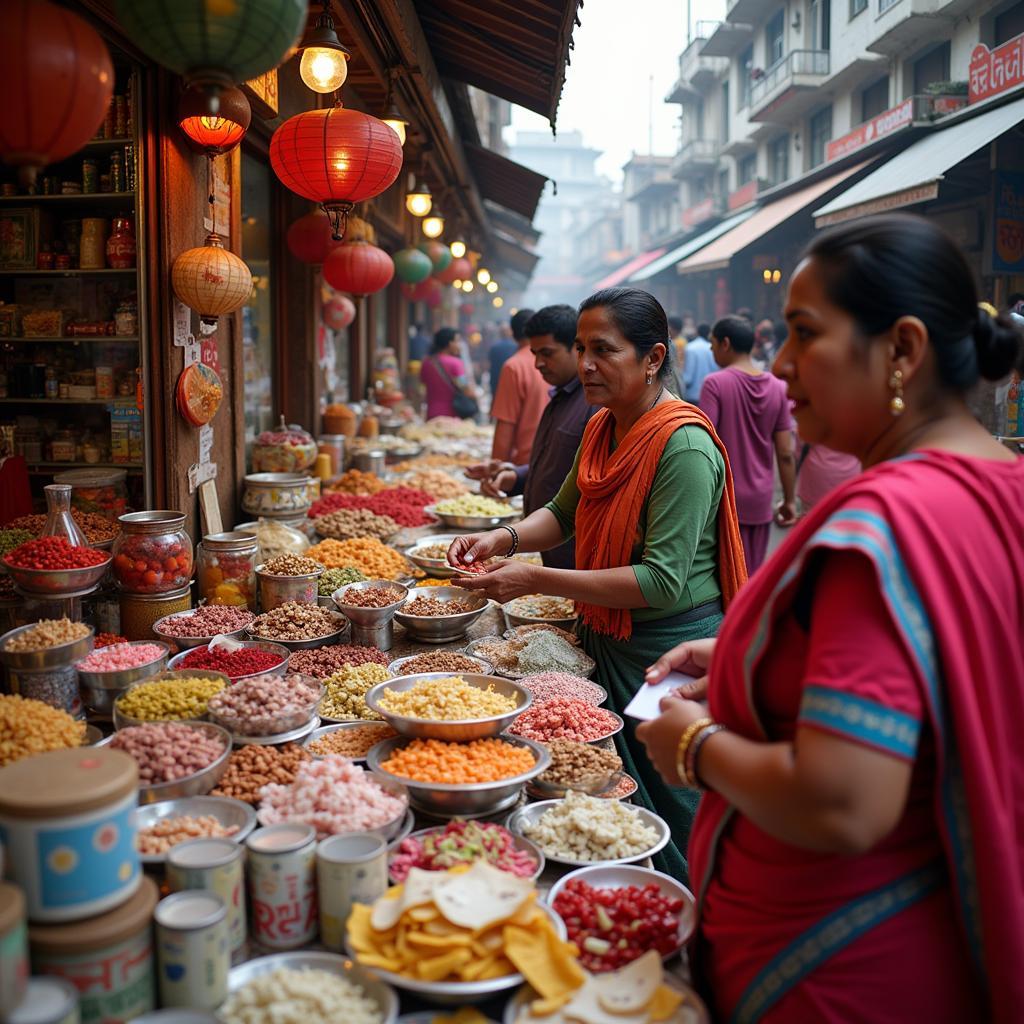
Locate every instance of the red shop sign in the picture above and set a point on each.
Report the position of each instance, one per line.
(703, 211)
(996, 71)
(886, 123)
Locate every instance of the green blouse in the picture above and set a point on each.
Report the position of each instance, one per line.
(675, 555)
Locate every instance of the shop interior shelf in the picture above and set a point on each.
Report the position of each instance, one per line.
(62, 401)
(66, 273)
(100, 144)
(75, 197)
(95, 339)
(47, 468)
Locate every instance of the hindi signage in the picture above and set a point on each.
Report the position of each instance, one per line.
(1008, 225)
(878, 127)
(994, 71)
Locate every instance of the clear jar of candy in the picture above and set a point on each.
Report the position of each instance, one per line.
(226, 569)
(153, 552)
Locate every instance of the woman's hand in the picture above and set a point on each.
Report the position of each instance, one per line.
(661, 735)
(692, 659)
(478, 547)
(508, 580)
(484, 470)
(500, 484)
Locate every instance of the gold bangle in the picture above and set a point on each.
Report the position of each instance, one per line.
(685, 740)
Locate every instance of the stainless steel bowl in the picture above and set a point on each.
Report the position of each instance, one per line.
(252, 645)
(306, 645)
(396, 668)
(276, 590)
(258, 729)
(474, 522)
(230, 813)
(325, 730)
(529, 814)
(470, 800)
(592, 785)
(48, 658)
(184, 643)
(296, 735)
(519, 842)
(513, 619)
(453, 731)
(123, 721)
(101, 689)
(381, 994)
(58, 582)
(590, 666)
(440, 629)
(436, 567)
(364, 616)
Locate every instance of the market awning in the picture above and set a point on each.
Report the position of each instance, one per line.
(670, 259)
(628, 268)
(509, 252)
(504, 181)
(723, 249)
(913, 176)
(515, 49)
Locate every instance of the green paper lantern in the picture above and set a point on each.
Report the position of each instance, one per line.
(215, 43)
(412, 266)
(439, 253)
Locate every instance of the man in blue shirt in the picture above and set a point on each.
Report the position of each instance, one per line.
(698, 363)
(506, 347)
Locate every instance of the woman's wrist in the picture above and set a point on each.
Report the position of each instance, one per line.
(694, 737)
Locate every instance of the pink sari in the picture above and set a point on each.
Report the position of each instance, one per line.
(945, 535)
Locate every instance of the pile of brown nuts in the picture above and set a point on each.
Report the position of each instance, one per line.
(575, 763)
(253, 766)
(440, 661)
(291, 565)
(47, 633)
(294, 621)
(350, 523)
(433, 606)
(371, 597)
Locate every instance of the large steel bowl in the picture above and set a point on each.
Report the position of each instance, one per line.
(441, 629)
(326, 730)
(58, 582)
(123, 721)
(518, 842)
(49, 657)
(458, 730)
(436, 567)
(230, 813)
(274, 724)
(305, 645)
(101, 689)
(470, 800)
(184, 643)
(397, 667)
(459, 522)
(513, 619)
(253, 645)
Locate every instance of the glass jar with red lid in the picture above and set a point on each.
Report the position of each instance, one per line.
(153, 553)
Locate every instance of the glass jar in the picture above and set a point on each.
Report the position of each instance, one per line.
(59, 522)
(121, 245)
(153, 553)
(92, 244)
(226, 569)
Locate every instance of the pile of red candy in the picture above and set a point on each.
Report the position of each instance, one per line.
(612, 927)
(108, 640)
(245, 662)
(54, 553)
(565, 718)
(403, 504)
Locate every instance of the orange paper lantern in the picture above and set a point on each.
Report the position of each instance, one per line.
(212, 280)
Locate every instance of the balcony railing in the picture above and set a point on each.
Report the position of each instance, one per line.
(797, 62)
(694, 156)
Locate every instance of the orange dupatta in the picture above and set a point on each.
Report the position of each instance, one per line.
(613, 487)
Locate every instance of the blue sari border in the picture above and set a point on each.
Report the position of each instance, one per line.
(861, 720)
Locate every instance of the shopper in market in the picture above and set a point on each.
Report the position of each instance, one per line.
(700, 361)
(519, 402)
(650, 502)
(444, 377)
(864, 806)
(506, 346)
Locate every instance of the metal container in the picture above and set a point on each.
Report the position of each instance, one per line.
(397, 667)
(525, 620)
(58, 582)
(101, 689)
(123, 720)
(278, 590)
(276, 492)
(460, 522)
(47, 1000)
(215, 865)
(474, 646)
(611, 732)
(349, 869)
(371, 627)
(282, 884)
(273, 724)
(441, 629)
(296, 735)
(175, 663)
(519, 842)
(453, 731)
(333, 445)
(306, 645)
(48, 658)
(372, 460)
(192, 949)
(184, 643)
(230, 813)
(436, 567)
(325, 730)
(139, 612)
(58, 688)
(470, 800)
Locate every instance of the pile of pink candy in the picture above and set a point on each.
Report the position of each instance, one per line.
(166, 751)
(118, 657)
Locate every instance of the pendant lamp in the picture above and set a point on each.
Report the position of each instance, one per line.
(337, 157)
(56, 80)
(309, 238)
(214, 132)
(324, 64)
(211, 280)
(358, 268)
(412, 266)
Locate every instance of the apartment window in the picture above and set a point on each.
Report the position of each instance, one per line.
(874, 100)
(821, 133)
(724, 136)
(856, 6)
(746, 66)
(746, 170)
(820, 14)
(775, 38)
(932, 67)
(778, 159)
(1008, 24)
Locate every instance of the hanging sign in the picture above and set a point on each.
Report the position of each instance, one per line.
(1008, 226)
(994, 71)
(889, 121)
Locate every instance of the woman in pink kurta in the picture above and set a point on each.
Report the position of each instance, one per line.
(859, 853)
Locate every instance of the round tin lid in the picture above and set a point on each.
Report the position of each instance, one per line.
(48, 1000)
(64, 782)
(99, 932)
(12, 907)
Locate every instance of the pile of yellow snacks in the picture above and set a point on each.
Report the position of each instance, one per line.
(451, 699)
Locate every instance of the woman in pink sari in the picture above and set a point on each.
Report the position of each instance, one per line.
(859, 852)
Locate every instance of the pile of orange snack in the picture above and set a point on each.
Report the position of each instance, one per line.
(438, 761)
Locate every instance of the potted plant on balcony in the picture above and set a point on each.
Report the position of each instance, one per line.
(946, 97)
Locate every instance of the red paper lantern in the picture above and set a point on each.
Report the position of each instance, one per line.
(433, 294)
(309, 238)
(467, 309)
(336, 157)
(339, 312)
(56, 79)
(458, 270)
(358, 267)
(214, 132)
(422, 292)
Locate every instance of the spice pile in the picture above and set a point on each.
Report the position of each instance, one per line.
(539, 606)
(299, 996)
(565, 719)
(322, 662)
(294, 621)
(172, 698)
(208, 620)
(291, 565)
(436, 761)
(371, 597)
(345, 692)
(349, 523)
(352, 742)
(167, 751)
(30, 727)
(254, 766)
(168, 832)
(474, 505)
(265, 705)
(446, 700)
(543, 649)
(333, 795)
(367, 554)
(96, 528)
(578, 765)
(462, 842)
(118, 657)
(355, 481)
(440, 661)
(10, 539)
(53, 554)
(435, 483)
(404, 505)
(550, 685)
(245, 661)
(334, 579)
(47, 633)
(431, 607)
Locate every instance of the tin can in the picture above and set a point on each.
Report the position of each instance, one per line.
(214, 865)
(282, 883)
(62, 261)
(47, 1001)
(349, 869)
(13, 948)
(120, 116)
(58, 687)
(90, 177)
(192, 949)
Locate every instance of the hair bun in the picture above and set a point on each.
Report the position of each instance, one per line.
(999, 343)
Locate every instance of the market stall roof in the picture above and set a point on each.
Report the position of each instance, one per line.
(515, 49)
(511, 253)
(674, 256)
(718, 254)
(504, 181)
(629, 267)
(913, 175)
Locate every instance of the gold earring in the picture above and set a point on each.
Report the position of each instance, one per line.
(897, 406)
(649, 377)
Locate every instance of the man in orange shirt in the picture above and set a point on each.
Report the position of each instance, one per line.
(518, 405)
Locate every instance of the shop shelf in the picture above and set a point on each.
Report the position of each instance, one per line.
(67, 273)
(47, 468)
(76, 197)
(95, 339)
(63, 401)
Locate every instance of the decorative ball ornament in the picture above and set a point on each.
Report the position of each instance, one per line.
(435, 296)
(211, 280)
(412, 266)
(214, 132)
(215, 43)
(358, 268)
(439, 253)
(56, 79)
(339, 312)
(309, 238)
(337, 157)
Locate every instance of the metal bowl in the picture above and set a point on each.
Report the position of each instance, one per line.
(436, 567)
(513, 619)
(625, 796)
(440, 629)
(620, 876)
(531, 813)
(381, 994)
(58, 582)
(296, 735)
(366, 616)
(519, 842)
(253, 645)
(473, 522)
(472, 648)
(593, 785)
(266, 728)
(396, 667)
(101, 689)
(306, 645)
(454, 731)
(599, 692)
(48, 658)
(471, 800)
(227, 811)
(325, 730)
(123, 721)
(276, 590)
(184, 643)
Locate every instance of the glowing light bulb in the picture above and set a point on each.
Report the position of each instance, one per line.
(457, 284)
(467, 286)
(397, 126)
(433, 226)
(458, 249)
(498, 302)
(483, 275)
(419, 203)
(323, 70)
(492, 286)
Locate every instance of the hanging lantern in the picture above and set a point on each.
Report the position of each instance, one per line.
(458, 270)
(439, 253)
(425, 291)
(339, 312)
(358, 268)
(337, 157)
(392, 116)
(412, 266)
(211, 280)
(215, 44)
(309, 238)
(435, 296)
(56, 80)
(214, 132)
(418, 200)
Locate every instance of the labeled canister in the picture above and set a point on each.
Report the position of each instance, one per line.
(282, 884)
(350, 868)
(138, 612)
(13, 949)
(108, 958)
(47, 1001)
(216, 865)
(67, 822)
(192, 949)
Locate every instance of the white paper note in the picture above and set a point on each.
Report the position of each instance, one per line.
(645, 704)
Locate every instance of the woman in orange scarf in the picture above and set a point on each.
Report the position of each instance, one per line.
(650, 501)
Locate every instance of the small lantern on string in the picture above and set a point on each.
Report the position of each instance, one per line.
(358, 268)
(214, 131)
(211, 280)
